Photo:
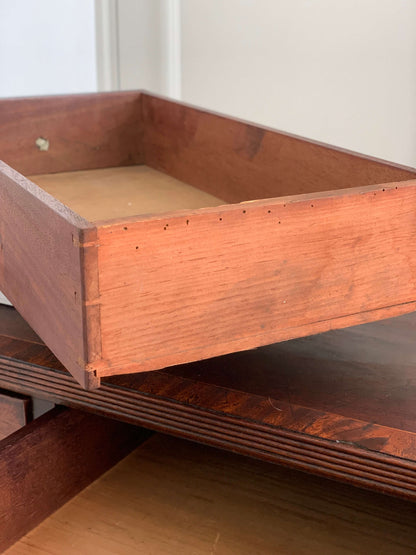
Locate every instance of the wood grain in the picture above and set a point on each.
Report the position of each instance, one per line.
(239, 276)
(84, 131)
(171, 497)
(15, 412)
(121, 192)
(201, 282)
(40, 267)
(52, 459)
(238, 161)
(338, 412)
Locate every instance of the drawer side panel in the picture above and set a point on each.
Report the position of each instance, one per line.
(193, 286)
(40, 266)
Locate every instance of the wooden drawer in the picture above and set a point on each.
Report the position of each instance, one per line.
(171, 234)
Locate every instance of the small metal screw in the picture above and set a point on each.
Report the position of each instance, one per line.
(42, 144)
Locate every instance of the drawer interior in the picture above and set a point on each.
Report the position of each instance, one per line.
(108, 193)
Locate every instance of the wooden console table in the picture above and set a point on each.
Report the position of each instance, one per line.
(341, 404)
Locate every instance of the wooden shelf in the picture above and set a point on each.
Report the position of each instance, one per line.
(170, 496)
(51, 459)
(340, 404)
(110, 193)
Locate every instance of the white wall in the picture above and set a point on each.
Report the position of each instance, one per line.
(148, 45)
(47, 47)
(141, 45)
(343, 71)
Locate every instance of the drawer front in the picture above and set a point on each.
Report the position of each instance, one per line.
(232, 278)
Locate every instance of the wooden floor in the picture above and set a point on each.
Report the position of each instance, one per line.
(175, 497)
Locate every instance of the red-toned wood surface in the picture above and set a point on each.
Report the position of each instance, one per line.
(341, 404)
(239, 161)
(15, 412)
(236, 277)
(199, 283)
(41, 269)
(52, 459)
(84, 131)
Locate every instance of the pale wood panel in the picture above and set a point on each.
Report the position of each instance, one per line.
(173, 497)
(119, 192)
